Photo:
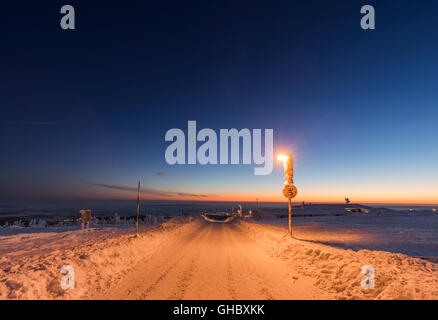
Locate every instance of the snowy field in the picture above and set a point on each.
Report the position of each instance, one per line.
(414, 234)
(188, 258)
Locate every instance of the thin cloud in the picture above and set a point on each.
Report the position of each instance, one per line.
(183, 194)
(109, 186)
(29, 123)
(149, 191)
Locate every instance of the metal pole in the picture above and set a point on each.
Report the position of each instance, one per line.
(138, 206)
(289, 182)
(290, 217)
(289, 190)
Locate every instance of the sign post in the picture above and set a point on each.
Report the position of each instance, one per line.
(138, 207)
(289, 189)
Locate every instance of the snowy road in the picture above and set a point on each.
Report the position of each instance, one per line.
(214, 261)
(189, 258)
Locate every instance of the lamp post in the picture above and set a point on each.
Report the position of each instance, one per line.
(289, 190)
(138, 206)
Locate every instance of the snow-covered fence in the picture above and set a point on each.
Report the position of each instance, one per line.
(117, 219)
(38, 223)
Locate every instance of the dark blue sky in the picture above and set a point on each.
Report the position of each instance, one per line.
(91, 106)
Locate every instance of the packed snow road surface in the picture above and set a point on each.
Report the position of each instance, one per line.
(213, 261)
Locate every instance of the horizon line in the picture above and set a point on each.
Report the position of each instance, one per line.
(213, 201)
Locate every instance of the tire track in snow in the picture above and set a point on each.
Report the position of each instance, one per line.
(230, 280)
(150, 272)
(162, 276)
(243, 247)
(184, 281)
(181, 252)
(177, 277)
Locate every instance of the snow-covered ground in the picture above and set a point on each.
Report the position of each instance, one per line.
(337, 271)
(414, 234)
(189, 258)
(31, 263)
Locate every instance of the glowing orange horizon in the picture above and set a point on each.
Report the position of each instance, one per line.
(314, 195)
(266, 199)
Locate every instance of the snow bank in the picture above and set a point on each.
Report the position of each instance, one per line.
(337, 271)
(30, 264)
